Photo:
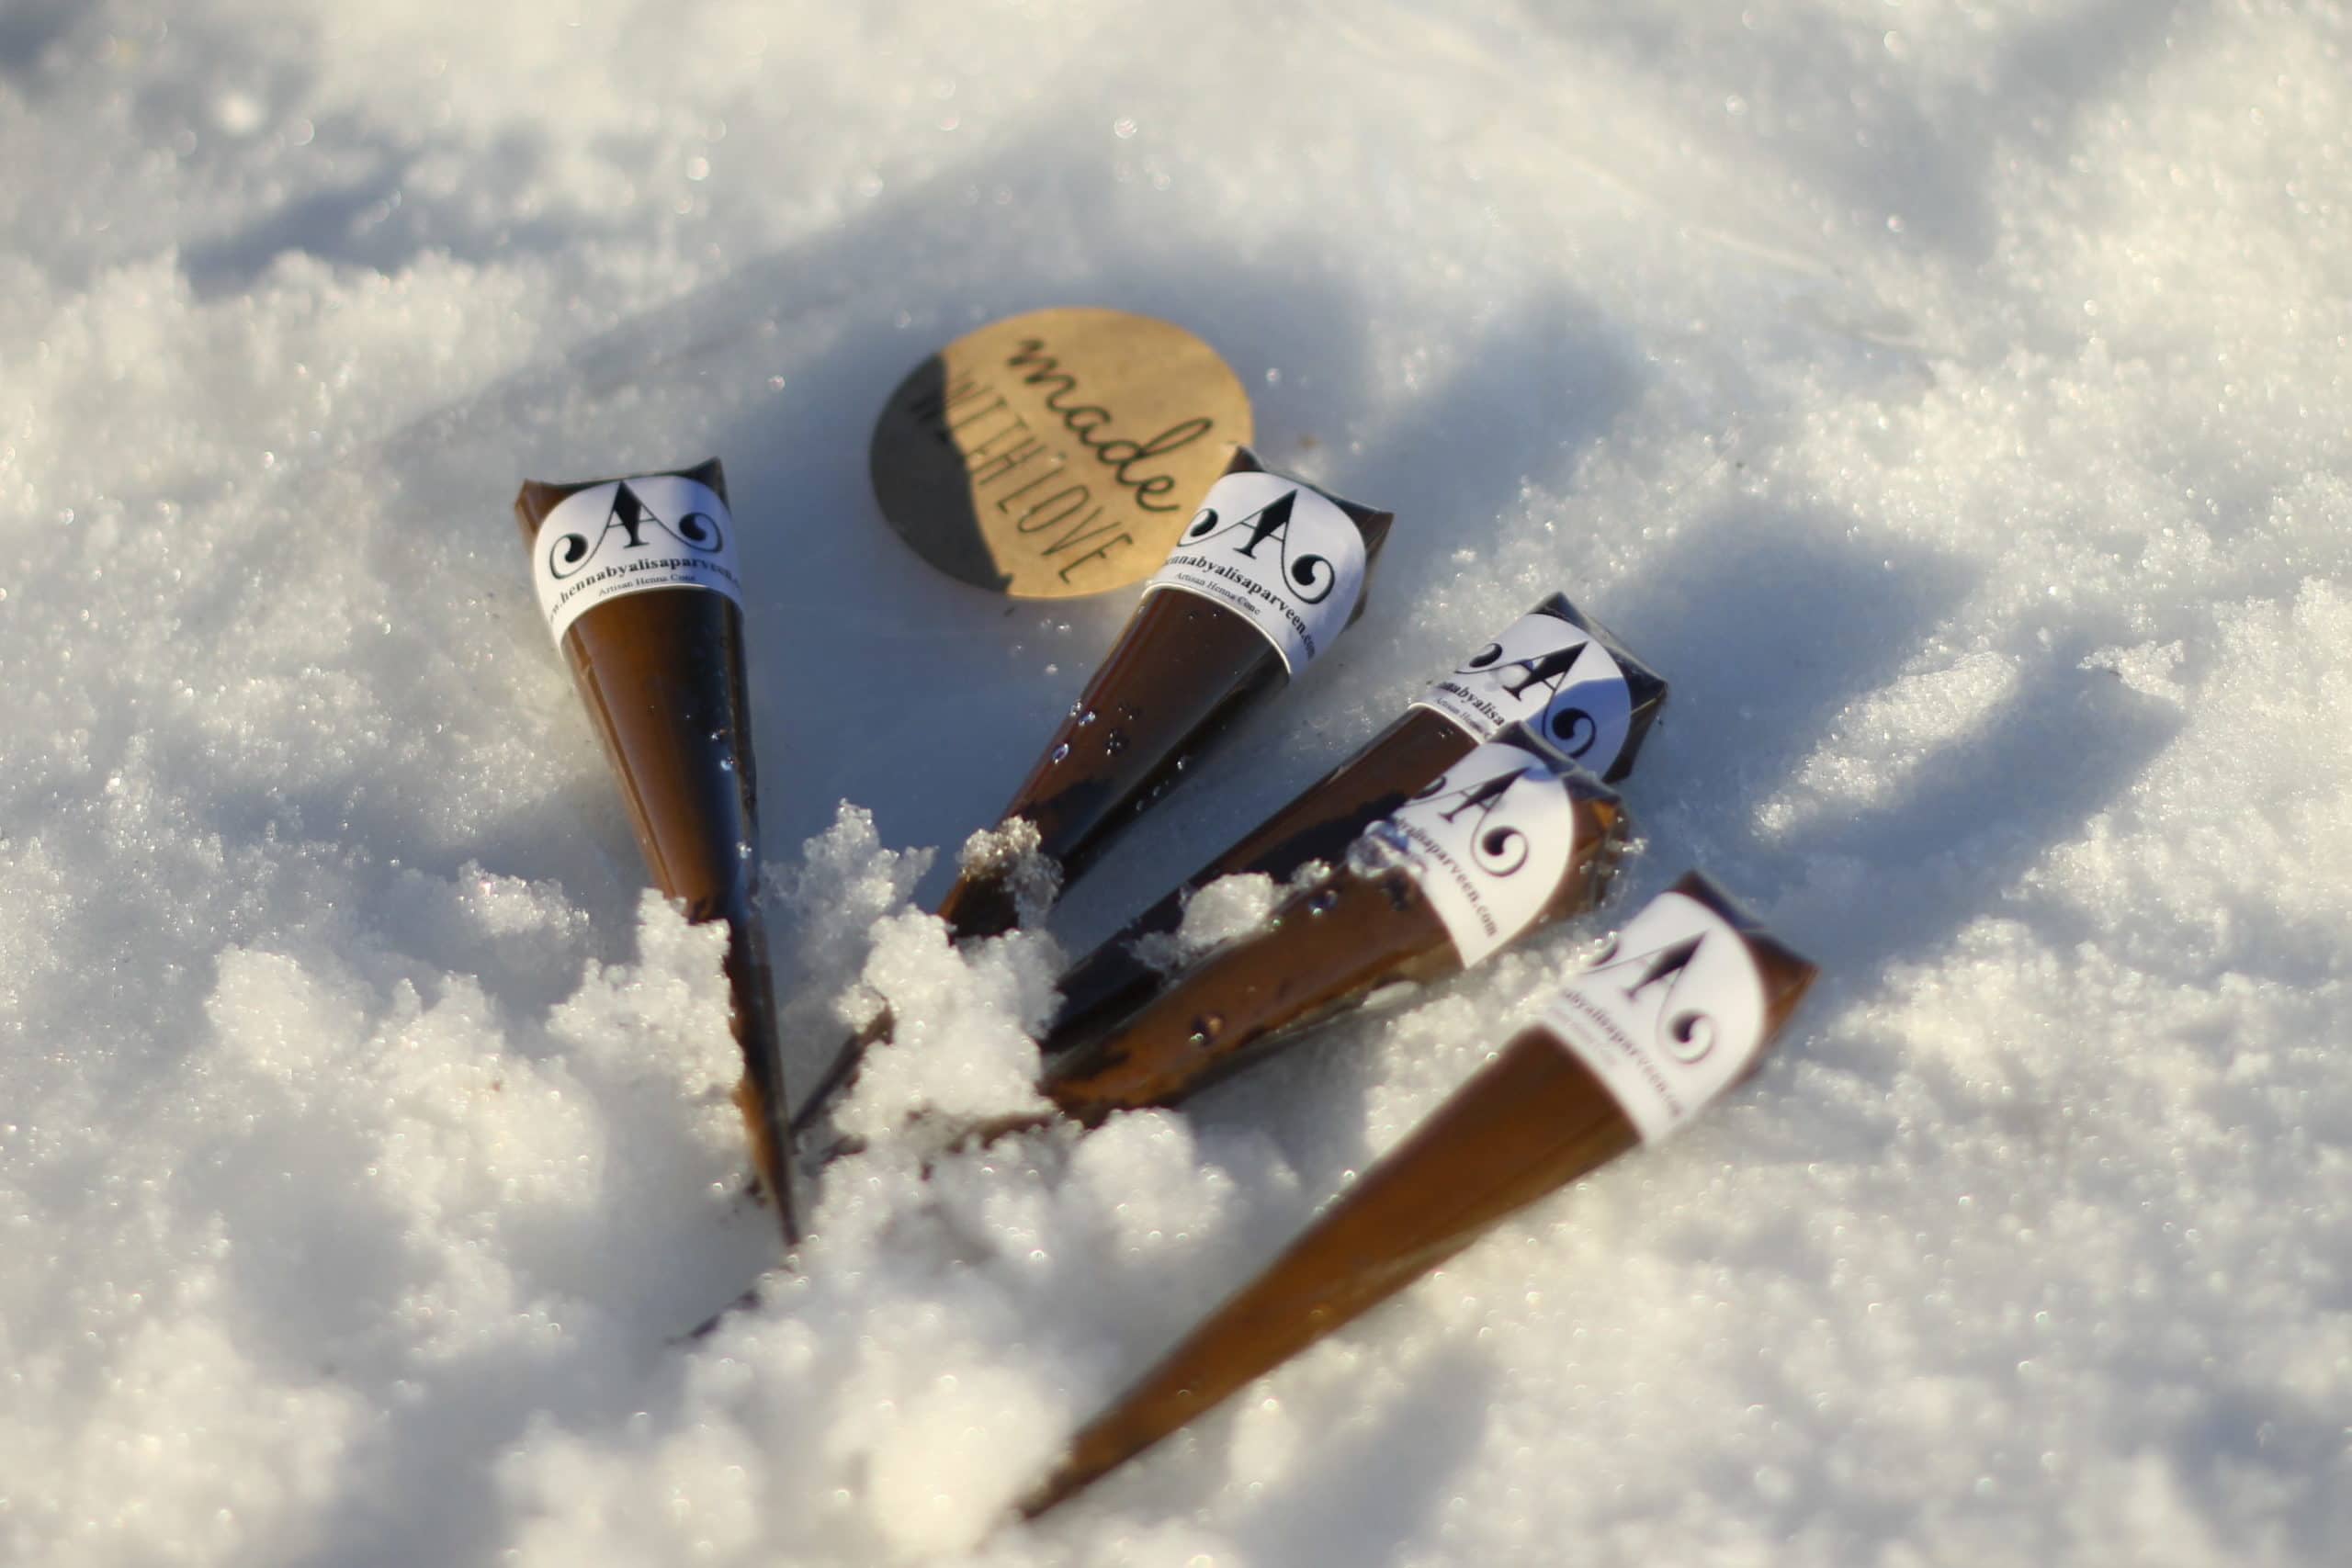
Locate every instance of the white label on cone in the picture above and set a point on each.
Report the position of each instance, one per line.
(1489, 841)
(1277, 552)
(1668, 1017)
(1551, 675)
(629, 536)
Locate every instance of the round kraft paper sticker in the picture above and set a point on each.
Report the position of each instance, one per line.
(1057, 453)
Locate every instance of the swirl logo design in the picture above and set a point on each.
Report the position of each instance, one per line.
(638, 527)
(1309, 578)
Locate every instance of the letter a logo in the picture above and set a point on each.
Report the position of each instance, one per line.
(1308, 579)
(1686, 1035)
(628, 517)
(1501, 849)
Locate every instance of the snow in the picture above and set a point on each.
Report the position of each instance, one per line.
(1951, 400)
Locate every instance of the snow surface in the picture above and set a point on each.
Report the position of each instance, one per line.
(1951, 399)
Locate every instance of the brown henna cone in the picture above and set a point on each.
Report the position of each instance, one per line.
(1512, 838)
(1553, 669)
(1678, 1009)
(1263, 581)
(637, 577)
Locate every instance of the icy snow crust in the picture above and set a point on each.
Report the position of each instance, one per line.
(1951, 400)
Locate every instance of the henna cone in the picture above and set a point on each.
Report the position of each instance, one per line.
(637, 577)
(1213, 635)
(1681, 1007)
(1512, 838)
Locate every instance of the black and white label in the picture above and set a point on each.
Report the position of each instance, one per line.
(1489, 841)
(1277, 552)
(1546, 673)
(629, 536)
(1668, 1016)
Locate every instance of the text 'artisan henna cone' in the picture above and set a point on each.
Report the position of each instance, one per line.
(1262, 582)
(1552, 670)
(1675, 1012)
(1510, 838)
(637, 577)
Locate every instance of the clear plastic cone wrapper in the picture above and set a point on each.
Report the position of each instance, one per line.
(1263, 581)
(1555, 670)
(637, 583)
(1676, 1009)
(1510, 838)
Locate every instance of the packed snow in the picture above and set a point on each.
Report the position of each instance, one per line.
(1951, 399)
